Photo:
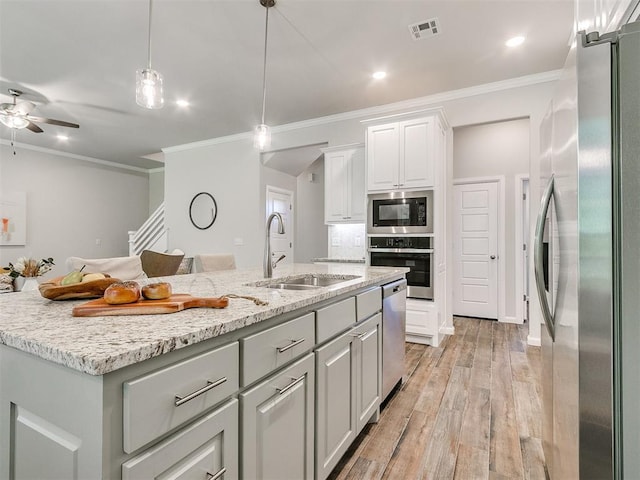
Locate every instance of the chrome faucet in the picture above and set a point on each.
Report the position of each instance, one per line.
(268, 265)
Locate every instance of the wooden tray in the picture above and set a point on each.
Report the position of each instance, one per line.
(176, 303)
(52, 289)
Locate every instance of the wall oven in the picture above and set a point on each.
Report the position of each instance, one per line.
(415, 253)
(401, 213)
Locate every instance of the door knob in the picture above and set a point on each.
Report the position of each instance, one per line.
(492, 257)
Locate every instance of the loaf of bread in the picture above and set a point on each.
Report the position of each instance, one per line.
(157, 291)
(122, 292)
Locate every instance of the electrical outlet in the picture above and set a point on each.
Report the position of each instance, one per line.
(357, 242)
(335, 241)
(98, 242)
(238, 241)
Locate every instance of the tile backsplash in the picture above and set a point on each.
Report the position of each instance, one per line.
(348, 241)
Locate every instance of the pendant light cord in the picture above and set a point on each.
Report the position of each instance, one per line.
(149, 37)
(264, 65)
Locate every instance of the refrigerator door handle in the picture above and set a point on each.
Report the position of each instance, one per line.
(538, 252)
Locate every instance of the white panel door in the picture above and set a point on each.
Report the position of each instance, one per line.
(281, 201)
(475, 282)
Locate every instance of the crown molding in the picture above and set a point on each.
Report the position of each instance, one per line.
(415, 103)
(74, 156)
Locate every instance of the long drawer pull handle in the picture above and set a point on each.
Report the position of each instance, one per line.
(218, 475)
(282, 391)
(210, 385)
(291, 345)
(358, 335)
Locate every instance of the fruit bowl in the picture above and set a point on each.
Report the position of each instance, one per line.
(52, 289)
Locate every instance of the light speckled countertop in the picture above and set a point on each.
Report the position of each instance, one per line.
(98, 345)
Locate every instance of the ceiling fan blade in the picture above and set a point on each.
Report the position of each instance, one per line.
(34, 128)
(52, 121)
(6, 107)
(24, 107)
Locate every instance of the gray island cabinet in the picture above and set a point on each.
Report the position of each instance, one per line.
(249, 391)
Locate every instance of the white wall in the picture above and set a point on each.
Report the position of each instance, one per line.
(311, 232)
(156, 189)
(497, 149)
(70, 204)
(231, 173)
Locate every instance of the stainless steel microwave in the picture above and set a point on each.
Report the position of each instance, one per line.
(401, 212)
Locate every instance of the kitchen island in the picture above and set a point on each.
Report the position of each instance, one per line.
(140, 396)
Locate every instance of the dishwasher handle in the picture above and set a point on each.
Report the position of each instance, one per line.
(393, 288)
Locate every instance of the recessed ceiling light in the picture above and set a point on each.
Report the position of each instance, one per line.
(514, 42)
(62, 137)
(379, 75)
(182, 103)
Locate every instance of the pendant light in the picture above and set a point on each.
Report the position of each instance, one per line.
(262, 133)
(148, 81)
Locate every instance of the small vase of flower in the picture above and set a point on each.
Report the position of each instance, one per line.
(25, 272)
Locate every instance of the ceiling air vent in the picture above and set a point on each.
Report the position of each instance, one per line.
(425, 29)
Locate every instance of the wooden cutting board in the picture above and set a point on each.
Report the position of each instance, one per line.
(176, 303)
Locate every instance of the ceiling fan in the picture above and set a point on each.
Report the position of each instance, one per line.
(17, 115)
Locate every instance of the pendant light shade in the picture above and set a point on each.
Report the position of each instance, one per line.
(149, 88)
(262, 136)
(149, 82)
(262, 133)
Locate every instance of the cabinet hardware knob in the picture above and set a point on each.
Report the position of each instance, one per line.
(282, 391)
(218, 475)
(210, 385)
(492, 257)
(291, 345)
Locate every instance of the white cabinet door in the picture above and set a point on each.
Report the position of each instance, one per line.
(335, 416)
(278, 425)
(416, 167)
(368, 369)
(357, 186)
(382, 157)
(336, 182)
(344, 193)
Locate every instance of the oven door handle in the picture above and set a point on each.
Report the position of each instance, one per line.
(401, 250)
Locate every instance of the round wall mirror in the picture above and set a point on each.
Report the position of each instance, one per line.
(203, 210)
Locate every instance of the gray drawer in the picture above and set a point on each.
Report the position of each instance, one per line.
(267, 350)
(335, 318)
(368, 303)
(208, 446)
(158, 402)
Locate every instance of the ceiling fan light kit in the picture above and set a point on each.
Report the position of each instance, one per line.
(262, 133)
(149, 92)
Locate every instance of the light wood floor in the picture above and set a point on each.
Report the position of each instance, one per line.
(469, 409)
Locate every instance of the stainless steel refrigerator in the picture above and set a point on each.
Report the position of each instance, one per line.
(587, 261)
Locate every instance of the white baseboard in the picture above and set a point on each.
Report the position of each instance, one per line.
(511, 320)
(447, 330)
(533, 341)
(421, 339)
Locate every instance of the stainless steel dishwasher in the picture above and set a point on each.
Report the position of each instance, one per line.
(394, 313)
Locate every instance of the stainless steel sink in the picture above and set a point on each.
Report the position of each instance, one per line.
(305, 282)
(291, 286)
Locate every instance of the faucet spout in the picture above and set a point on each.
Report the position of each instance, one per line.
(268, 266)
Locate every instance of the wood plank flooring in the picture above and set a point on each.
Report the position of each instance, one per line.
(469, 409)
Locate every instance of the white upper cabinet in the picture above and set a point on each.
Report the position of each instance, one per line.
(344, 193)
(403, 154)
